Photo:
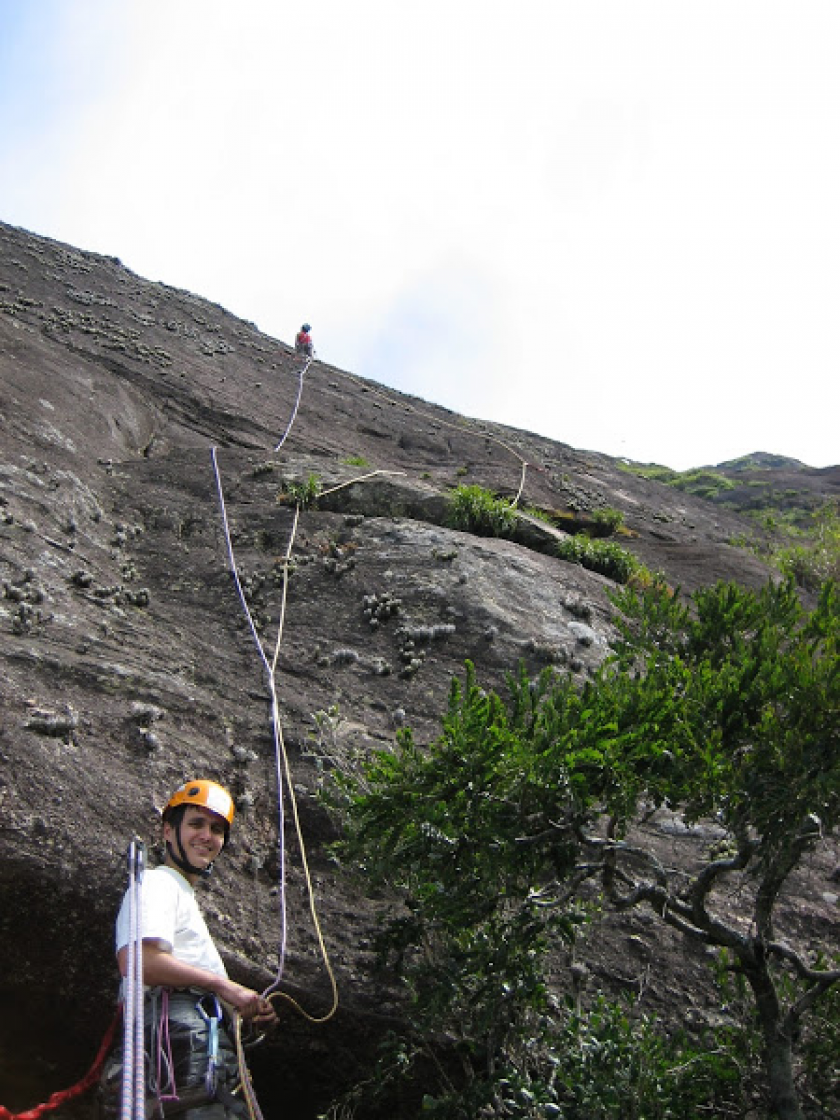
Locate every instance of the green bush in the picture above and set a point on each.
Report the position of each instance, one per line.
(605, 1063)
(539, 514)
(653, 471)
(702, 483)
(605, 557)
(608, 518)
(613, 1064)
(814, 563)
(304, 494)
(476, 510)
(819, 1049)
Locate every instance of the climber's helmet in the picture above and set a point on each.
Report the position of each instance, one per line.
(306, 328)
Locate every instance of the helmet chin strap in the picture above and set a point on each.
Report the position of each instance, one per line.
(181, 860)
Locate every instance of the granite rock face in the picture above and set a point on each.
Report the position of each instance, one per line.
(128, 663)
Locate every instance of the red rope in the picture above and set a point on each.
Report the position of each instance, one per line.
(65, 1095)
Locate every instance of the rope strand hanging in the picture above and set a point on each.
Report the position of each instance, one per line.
(282, 767)
(297, 404)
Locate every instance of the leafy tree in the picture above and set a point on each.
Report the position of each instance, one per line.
(751, 740)
(723, 709)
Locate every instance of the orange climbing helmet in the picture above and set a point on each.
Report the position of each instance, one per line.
(210, 795)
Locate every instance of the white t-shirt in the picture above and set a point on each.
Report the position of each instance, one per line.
(171, 917)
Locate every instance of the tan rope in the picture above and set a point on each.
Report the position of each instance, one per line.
(447, 424)
(244, 1073)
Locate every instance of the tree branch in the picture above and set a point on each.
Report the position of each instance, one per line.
(780, 949)
(806, 1001)
(778, 869)
(688, 915)
(621, 846)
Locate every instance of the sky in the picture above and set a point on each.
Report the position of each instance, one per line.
(611, 222)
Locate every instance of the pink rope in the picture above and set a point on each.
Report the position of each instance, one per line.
(164, 1049)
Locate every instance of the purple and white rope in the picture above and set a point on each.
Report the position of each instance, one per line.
(133, 1099)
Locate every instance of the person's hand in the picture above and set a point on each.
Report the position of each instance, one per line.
(244, 1000)
(266, 1018)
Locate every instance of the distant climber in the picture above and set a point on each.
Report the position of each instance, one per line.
(303, 341)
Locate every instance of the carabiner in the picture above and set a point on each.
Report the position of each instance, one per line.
(211, 1079)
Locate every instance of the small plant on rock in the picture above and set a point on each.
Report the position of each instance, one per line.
(539, 514)
(608, 519)
(303, 494)
(476, 510)
(604, 557)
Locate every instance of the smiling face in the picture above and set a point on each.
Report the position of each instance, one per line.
(202, 837)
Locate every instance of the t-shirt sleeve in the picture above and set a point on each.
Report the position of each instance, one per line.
(160, 911)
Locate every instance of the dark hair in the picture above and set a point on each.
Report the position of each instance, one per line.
(175, 815)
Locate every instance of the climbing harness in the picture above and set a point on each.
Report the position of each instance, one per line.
(191, 1060)
(133, 1098)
